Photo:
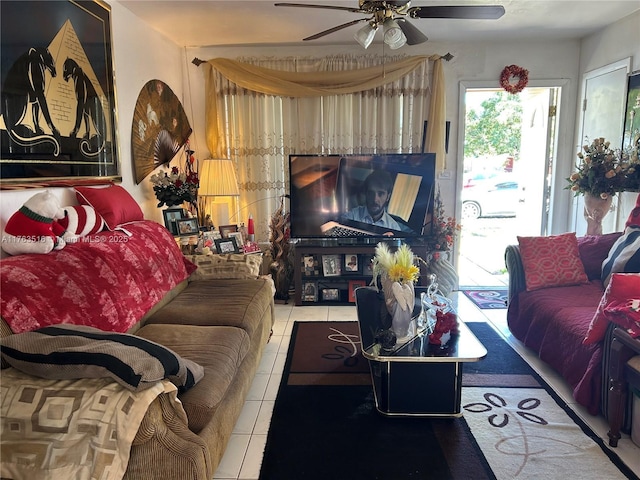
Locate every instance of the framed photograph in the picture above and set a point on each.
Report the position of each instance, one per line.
(330, 294)
(187, 226)
(367, 265)
(331, 265)
(631, 134)
(310, 292)
(353, 284)
(226, 245)
(60, 62)
(171, 216)
(237, 236)
(351, 264)
(310, 266)
(225, 230)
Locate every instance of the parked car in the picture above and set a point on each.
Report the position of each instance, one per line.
(495, 197)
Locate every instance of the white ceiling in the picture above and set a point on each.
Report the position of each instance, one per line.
(209, 23)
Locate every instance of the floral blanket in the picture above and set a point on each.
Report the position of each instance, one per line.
(108, 281)
(71, 429)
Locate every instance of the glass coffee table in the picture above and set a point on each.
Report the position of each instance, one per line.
(417, 378)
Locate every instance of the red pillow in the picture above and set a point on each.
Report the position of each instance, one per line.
(114, 204)
(618, 304)
(552, 261)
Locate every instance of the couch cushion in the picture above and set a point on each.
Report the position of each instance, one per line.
(220, 350)
(593, 250)
(74, 351)
(552, 261)
(114, 204)
(226, 266)
(238, 303)
(624, 255)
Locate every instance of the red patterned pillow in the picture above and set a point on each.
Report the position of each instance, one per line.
(620, 304)
(552, 261)
(114, 204)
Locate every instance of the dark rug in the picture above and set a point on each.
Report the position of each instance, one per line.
(325, 424)
(487, 298)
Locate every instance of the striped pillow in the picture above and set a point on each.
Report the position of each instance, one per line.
(624, 256)
(75, 351)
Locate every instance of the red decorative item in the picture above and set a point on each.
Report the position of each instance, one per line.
(514, 71)
(445, 322)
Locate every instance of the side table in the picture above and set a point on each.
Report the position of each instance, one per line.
(622, 374)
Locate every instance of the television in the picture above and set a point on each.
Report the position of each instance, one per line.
(341, 196)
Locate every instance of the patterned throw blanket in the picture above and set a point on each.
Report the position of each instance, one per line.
(71, 429)
(108, 281)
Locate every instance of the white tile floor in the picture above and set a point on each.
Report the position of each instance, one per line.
(244, 453)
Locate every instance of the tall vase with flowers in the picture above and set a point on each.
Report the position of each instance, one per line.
(177, 186)
(600, 174)
(397, 272)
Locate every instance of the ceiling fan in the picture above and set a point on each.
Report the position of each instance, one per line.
(392, 16)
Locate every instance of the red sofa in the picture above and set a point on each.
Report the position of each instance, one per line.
(554, 321)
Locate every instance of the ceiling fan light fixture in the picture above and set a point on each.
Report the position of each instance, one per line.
(365, 35)
(414, 36)
(393, 35)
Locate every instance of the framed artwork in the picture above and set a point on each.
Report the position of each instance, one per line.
(226, 245)
(367, 265)
(631, 134)
(330, 294)
(58, 94)
(331, 265)
(171, 215)
(310, 292)
(310, 266)
(225, 230)
(353, 284)
(237, 236)
(187, 226)
(351, 264)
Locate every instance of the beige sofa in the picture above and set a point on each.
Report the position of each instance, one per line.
(223, 324)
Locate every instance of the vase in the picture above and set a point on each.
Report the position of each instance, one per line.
(595, 209)
(446, 275)
(399, 300)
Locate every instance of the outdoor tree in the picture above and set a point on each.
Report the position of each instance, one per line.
(494, 129)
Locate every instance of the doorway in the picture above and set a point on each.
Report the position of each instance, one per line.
(509, 151)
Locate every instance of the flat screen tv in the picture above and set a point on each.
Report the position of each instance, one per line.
(360, 196)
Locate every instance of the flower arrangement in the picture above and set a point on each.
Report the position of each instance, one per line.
(177, 187)
(601, 172)
(398, 266)
(445, 228)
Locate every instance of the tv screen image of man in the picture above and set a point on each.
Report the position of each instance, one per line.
(377, 188)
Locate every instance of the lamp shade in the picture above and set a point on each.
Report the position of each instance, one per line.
(365, 35)
(218, 178)
(393, 35)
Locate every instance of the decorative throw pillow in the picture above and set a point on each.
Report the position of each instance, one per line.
(74, 351)
(616, 305)
(551, 261)
(229, 266)
(624, 255)
(593, 248)
(113, 203)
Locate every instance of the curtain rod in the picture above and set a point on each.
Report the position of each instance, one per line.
(197, 62)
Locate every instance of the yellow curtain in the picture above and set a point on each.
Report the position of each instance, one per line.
(314, 84)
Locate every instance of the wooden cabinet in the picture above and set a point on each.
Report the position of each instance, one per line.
(328, 274)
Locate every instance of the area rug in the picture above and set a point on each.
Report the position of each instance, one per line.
(488, 298)
(325, 424)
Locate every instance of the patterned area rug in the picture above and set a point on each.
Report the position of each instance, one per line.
(488, 298)
(325, 424)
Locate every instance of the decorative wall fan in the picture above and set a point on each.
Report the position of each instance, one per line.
(392, 16)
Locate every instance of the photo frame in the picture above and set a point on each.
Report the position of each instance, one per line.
(631, 132)
(367, 265)
(171, 215)
(226, 245)
(353, 284)
(330, 294)
(225, 230)
(238, 237)
(310, 292)
(332, 265)
(58, 147)
(310, 266)
(351, 264)
(187, 227)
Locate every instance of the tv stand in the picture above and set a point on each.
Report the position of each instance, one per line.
(318, 280)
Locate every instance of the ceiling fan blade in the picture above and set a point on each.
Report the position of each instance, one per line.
(414, 36)
(335, 29)
(480, 12)
(309, 5)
